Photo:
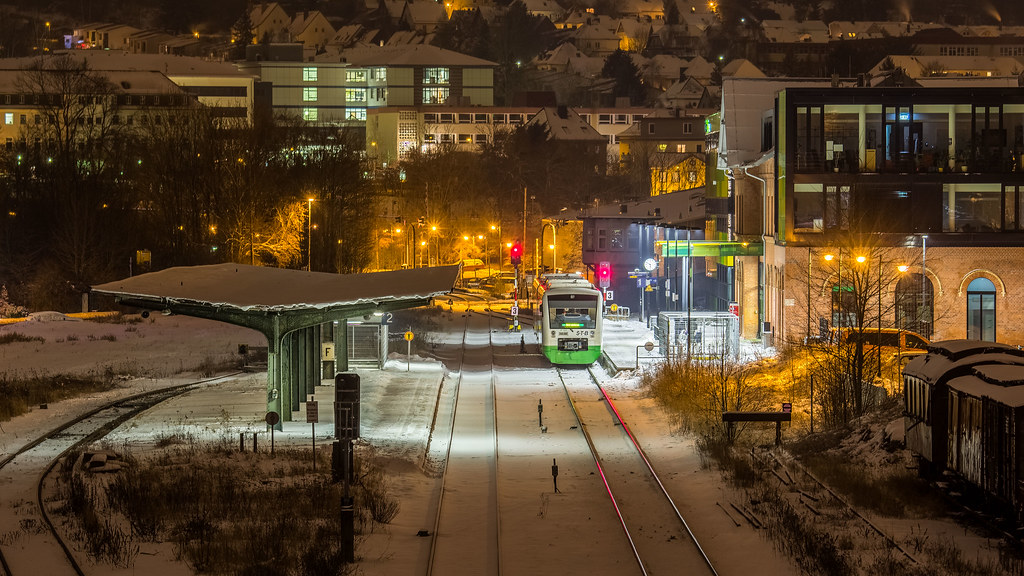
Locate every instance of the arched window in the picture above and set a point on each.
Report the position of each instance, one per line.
(914, 304)
(981, 310)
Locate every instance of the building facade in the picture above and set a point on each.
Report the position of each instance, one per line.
(919, 189)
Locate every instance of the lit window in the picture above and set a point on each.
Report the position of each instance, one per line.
(309, 94)
(355, 75)
(435, 75)
(435, 95)
(8, 117)
(309, 74)
(355, 95)
(355, 114)
(309, 114)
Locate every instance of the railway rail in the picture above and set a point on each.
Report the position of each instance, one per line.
(659, 536)
(458, 545)
(24, 473)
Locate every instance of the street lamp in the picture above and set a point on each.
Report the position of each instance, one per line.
(309, 235)
(554, 242)
(839, 281)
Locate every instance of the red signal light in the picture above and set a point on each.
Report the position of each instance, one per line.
(516, 254)
(604, 274)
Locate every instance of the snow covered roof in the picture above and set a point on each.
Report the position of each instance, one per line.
(565, 125)
(416, 55)
(742, 68)
(972, 385)
(787, 31)
(253, 288)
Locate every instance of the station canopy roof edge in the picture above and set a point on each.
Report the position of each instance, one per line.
(258, 288)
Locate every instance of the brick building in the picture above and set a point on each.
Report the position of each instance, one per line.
(883, 207)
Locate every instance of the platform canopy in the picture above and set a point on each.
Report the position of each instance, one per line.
(287, 306)
(262, 289)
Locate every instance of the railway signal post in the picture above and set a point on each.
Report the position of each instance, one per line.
(516, 258)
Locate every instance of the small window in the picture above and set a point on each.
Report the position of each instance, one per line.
(687, 128)
(8, 117)
(309, 74)
(465, 118)
(480, 138)
(310, 114)
(309, 94)
(355, 75)
(650, 128)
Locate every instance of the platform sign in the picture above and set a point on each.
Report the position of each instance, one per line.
(312, 412)
(734, 308)
(514, 310)
(787, 407)
(327, 351)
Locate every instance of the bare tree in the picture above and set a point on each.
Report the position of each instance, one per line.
(78, 145)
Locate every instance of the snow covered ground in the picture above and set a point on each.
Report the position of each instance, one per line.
(543, 529)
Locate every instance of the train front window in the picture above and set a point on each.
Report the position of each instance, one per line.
(577, 312)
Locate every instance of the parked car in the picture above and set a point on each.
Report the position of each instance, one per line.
(898, 342)
(500, 285)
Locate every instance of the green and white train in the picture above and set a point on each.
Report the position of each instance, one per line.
(571, 317)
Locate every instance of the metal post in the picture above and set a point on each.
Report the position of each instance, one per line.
(924, 279)
(689, 293)
(878, 347)
(812, 403)
(309, 236)
(809, 253)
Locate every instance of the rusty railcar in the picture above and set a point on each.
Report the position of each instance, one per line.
(926, 393)
(986, 431)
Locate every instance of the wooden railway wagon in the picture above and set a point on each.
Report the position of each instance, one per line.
(986, 430)
(961, 414)
(926, 392)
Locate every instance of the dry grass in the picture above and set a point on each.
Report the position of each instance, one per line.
(858, 461)
(18, 395)
(228, 512)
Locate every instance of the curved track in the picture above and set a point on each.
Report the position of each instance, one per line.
(24, 472)
(659, 536)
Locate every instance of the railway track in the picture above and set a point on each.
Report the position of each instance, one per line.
(23, 475)
(466, 537)
(659, 536)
